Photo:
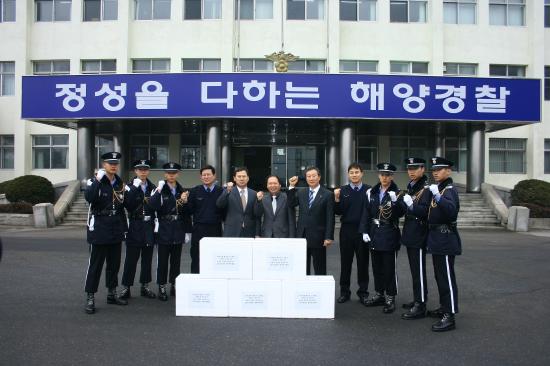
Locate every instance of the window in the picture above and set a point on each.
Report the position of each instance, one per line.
(7, 11)
(547, 13)
(201, 64)
(456, 150)
(507, 70)
(408, 67)
(253, 9)
(367, 151)
(152, 9)
(307, 66)
(402, 147)
(546, 82)
(152, 147)
(192, 153)
(546, 156)
(357, 9)
(6, 151)
(358, 66)
(305, 9)
(507, 12)
(53, 10)
(202, 9)
(507, 155)
(254, 65)
(103, 144)
(459, 11)
(50, 151)
(7, 78)
(96, 10)
(451, 68)
(408, 11)
(51, 67)
(98, 66)
(150, 66)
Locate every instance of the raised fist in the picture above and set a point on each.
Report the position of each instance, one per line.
(260, 195)
(136, 182)
(229, 186)
(393, 196)
(160, 185)
(100, 174)
(185, 196)
(434, 189)
(408, 200)
(293, 181)
(337, 194)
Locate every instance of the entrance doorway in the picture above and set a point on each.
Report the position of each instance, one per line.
(258, 161)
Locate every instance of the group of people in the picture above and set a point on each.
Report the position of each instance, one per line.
(168, 216)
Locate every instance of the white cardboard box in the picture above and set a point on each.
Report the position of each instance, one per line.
(312, 297)
(255, 298)
(279, 259)
(226, 258)
(196, 296)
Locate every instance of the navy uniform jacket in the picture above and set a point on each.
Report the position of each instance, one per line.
(415, 228)
(443, 238)
(173, 221)
(141, 215)
(384, 236)
(107, 220)
(315, 224)
(202, 205)
(351, 204)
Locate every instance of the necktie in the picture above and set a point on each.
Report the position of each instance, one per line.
(207, 189)
(243, 199)
(356, 188)
(311, 191)
(274, 204)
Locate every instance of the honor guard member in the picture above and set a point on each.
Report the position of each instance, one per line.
(140, 237)
(416, 202)
(106, 226)
(173, 224)
(444, 242)
(207, 217)
(349, 203)
(380, 228)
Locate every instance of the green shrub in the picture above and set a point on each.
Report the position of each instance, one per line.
(533, 194)
(18, 207)
(32, 189)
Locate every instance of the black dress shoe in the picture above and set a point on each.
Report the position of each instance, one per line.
(363, 298)
(146, 292)
(125, 293)
(437, 313)
(112, 298)
(446, 323)
(343, 298)
(389, 306)
(173, 290)
(408, 305)
(416, 312)
(163, 296)
(376, 300)
(90, 303)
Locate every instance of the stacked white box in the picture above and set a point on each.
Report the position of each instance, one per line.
(312, 297)
(196, 296)
(279, 259)
(255, 298)
(226, 258)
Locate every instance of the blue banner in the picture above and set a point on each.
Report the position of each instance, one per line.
(249, 95)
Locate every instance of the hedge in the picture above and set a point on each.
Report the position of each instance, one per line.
(32, 189)
(533, 194)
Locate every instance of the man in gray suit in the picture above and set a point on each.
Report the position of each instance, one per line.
(279, 220)
(238, 203)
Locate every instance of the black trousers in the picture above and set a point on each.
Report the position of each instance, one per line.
(319, 257)
(165, 253)
(201, 231)
(99, 253)
(383, 269)
(130, 264)
(351, 244)
(417, 263)
(444, 270)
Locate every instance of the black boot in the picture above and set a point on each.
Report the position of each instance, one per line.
(112, 298)
(389, 306)
(163, 296)
(437, 313)
(416, 312)
(146, 292)
(125, 293)
(376, 300)
(446, 323)
(90, 303)
(173, 290)
(408, 305)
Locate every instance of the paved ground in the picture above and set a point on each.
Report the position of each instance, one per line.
(504, 287)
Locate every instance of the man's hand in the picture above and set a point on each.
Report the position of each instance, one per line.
(293, 181)
(136, 182)
(434, 189)
(229, 186)
(260, 195)
(366, 238)
(100, 174)
(337, 195)
(160, 185)
(408, 200)
(327, 243)
(184, 196)
(393, 196)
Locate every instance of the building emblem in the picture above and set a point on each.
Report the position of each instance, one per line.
(281, 60)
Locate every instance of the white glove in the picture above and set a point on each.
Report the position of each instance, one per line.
(393, 196)
(434, 189)
(408, 200)
(127, 188)
(136, 182)
(366, 238)
(160, 185)
(187, 238)
(100, 174)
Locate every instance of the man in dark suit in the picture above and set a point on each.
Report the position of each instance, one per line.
(279, 220)
(315, 219)
(238, 202)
